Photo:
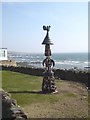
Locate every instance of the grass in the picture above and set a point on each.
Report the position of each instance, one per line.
(20, 85)
(17, 81)
(26, 90)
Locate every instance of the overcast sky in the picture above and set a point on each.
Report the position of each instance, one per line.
(22, 26)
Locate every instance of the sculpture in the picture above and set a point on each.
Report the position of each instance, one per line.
(48, 84)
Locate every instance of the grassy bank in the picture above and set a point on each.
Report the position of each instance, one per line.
(70, 102)
(70, 75)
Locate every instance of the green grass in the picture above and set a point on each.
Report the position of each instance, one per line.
(25, 89)
(22, 88)
(16, 81)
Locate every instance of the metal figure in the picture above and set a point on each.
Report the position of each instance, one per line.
(48, 63)
(46, 28)
(47, 40)
(47, 50)
(48, 84)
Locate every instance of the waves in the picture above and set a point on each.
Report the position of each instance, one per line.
(66, 61)
(71, 64)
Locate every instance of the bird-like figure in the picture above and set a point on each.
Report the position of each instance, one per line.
(46, 28)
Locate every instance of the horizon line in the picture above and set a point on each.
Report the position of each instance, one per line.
(43, 52)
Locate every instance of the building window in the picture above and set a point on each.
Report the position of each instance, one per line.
(4, 53)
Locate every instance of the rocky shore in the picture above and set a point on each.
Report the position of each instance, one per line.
(8, 63)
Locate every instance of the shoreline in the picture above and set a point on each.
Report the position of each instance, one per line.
(62, 60)
(38, 64)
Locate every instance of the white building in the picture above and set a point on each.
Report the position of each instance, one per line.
(3, 54)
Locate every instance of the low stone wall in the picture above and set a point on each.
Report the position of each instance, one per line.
(10, 109)
(72, 75)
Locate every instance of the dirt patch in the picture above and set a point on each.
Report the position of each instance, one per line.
(72, 102)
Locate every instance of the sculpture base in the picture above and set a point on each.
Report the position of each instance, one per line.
(48, 85)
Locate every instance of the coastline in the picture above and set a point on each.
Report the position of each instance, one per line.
(62, 60)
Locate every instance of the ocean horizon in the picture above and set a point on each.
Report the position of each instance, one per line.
(62, 60)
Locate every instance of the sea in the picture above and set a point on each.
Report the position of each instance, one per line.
(62, 60)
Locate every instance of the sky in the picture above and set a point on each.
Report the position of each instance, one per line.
(22, 26)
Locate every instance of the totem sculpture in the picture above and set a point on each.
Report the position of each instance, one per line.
(48, 84)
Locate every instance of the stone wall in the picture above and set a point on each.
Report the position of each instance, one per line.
(10, 109)
(71, 75)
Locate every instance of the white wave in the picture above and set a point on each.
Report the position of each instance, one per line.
(16, 56)
(37, 56)
(27, 56)
(23, 59)
(86, 62)
(12, 56)
(32, 57)
(67, 62)
(75, 62)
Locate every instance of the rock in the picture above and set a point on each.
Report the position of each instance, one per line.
(8, 63)
(10, 109)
